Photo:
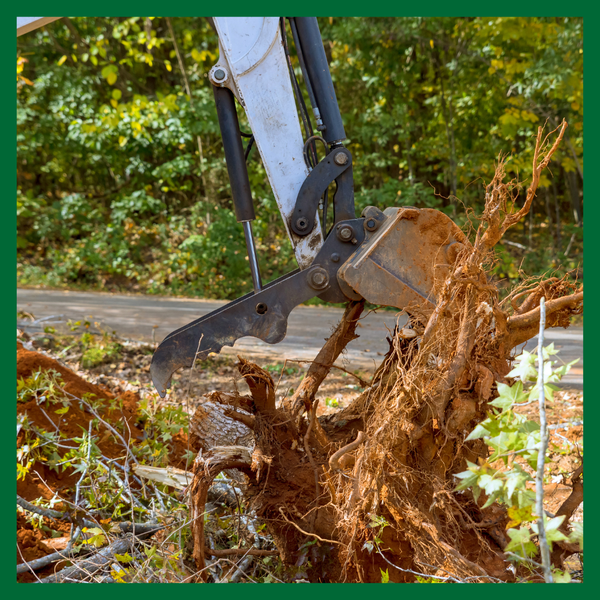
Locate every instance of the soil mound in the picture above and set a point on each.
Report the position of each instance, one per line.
(43, 481)
(30, 362)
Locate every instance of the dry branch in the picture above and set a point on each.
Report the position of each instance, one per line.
(407, 430)
(205, 469)
(240, 552)
(87, 568)
(320, 367)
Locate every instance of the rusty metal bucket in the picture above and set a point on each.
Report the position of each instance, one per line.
(406, 259)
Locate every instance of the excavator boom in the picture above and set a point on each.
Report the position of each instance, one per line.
(397, 257)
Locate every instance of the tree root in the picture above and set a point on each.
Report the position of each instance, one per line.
(405, 435)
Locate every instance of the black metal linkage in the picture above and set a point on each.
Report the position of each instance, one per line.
(318, 72)
(238, 173)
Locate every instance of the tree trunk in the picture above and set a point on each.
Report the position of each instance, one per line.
(549, 214)
(571, 178)
(370, 489)
(557, 212)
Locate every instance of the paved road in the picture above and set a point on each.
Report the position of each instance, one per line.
(145, 318)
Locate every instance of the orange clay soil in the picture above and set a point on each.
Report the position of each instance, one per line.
(43, 482)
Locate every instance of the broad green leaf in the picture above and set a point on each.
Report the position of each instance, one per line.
(514, 479)
(520, 542)
(479, 432)
(525, 369)
(98, 537)
(124, 558)
(468, 479)
(561, 576)
(552, 532)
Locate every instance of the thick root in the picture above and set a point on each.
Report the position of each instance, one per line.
(373, 485)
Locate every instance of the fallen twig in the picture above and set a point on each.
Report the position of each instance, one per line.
(240, 552)
(52, 514)
(44, 561)
(92, 565)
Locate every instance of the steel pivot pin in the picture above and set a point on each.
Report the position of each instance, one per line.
(340, 158)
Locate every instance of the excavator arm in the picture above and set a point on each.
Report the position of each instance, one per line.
(397, 257)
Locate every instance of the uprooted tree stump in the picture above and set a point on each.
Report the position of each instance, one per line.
(384, 466)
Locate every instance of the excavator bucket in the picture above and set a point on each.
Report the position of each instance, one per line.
(406, 259)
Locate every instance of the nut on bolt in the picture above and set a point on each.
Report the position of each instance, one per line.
(318, 279)
(218, 76)
(371, 224)
(340, 158)
(345, 233)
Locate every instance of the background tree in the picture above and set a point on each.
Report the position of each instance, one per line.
(121, 175)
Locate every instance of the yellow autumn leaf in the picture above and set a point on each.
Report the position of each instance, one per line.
(98, 537)
(122, 140)
(62, 59)
(519, 515)
(111, 78)
(431, 43)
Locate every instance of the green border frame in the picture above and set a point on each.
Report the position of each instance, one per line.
(590, 11)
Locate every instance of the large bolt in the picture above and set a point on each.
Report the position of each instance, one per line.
(371, 225)
(302, 223)
(335, 257)
(219, 74)
(318, 279)
(340, 158)
(345, 233)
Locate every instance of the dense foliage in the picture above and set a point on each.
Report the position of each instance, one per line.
(122, 182)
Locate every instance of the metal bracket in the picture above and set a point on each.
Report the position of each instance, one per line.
(335, 164)
(263, 314)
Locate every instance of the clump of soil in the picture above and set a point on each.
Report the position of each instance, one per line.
(117, 408)
(42, 481)
(372, 488)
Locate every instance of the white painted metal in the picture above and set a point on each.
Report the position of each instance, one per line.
(27, 24)
(252, 53)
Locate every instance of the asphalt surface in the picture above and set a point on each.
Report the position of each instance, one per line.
(148, 318)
